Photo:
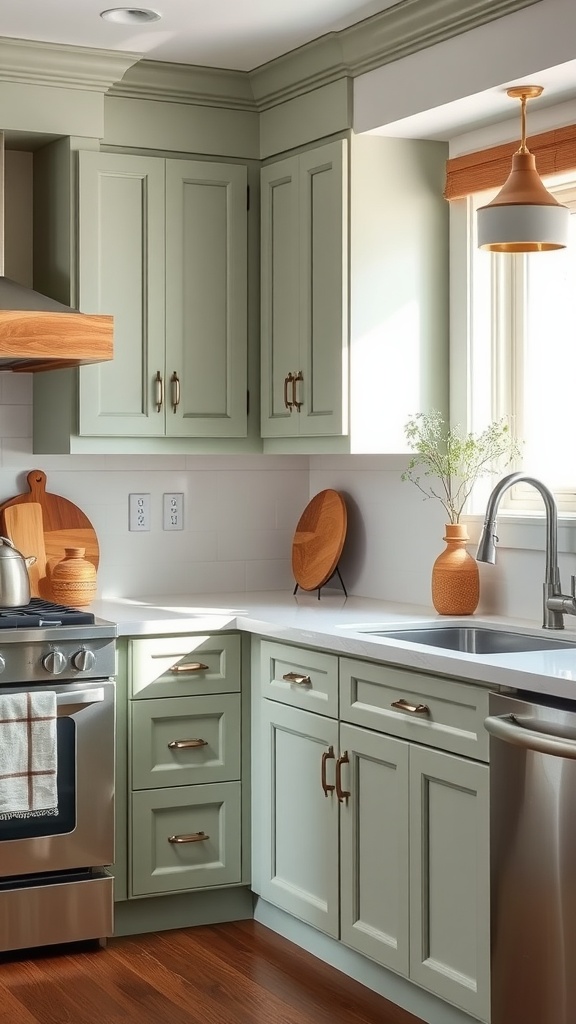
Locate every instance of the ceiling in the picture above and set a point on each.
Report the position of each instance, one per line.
(234, 34)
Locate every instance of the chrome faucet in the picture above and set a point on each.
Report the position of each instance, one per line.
(555, 603)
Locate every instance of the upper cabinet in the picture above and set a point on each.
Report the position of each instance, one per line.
(354, 326)
(303, 325)
(163, 246)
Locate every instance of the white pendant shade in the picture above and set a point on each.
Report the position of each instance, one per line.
(522, 228)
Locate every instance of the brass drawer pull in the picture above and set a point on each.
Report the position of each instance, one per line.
(186, 744)
(297, 405)
(175, 385)
(342, 794)
(158, 391)
(288, 380)
(190, 666)
(296, 677)
(327, 756)
(196, 837)
(414, 709)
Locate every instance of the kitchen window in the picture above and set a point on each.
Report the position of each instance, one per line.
(514, 350)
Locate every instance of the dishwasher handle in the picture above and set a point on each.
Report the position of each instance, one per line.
(510, 729)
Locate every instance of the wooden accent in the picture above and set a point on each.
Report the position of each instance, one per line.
(238, 973)
(24, 526)
(555, 151)
(65, 526)
(39, 340)
(319, 539)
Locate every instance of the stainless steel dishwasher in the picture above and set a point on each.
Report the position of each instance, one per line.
(533, 859)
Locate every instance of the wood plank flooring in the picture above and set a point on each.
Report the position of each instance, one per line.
(238, 973)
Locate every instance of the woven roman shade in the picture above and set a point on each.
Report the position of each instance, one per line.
(554, 151)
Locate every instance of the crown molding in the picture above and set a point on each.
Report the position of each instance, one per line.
(403, 29)
(184, 83)
(58, 65)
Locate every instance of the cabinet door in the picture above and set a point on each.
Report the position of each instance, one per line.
(280, 284)
(206, 299)
(323, 256)
(449, 868)
(374, 847)
(299, 840)
(121, 271)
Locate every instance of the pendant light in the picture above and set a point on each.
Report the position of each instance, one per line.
(524, 216)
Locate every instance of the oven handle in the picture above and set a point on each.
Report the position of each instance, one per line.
(70, 700)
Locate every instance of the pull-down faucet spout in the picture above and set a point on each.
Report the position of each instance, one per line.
(555, 603)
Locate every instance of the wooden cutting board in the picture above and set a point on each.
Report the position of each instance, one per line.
(319, 539)
(64, 524)
(24, 526)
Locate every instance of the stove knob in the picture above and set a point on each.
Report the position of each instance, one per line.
(83, 660)
(54, 663)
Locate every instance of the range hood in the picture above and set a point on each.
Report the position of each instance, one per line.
(38, 333)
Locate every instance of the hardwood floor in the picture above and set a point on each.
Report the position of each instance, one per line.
(239, 973)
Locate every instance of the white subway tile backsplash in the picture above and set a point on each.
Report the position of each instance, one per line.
(240, 514)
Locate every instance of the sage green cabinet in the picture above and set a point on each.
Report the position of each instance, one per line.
(365, 827)
(354, 302)
(303, 299)
(186, 819)
(298, 836)
(163, 247)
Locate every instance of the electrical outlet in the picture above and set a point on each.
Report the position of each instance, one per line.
(139, 512)
(173, 512)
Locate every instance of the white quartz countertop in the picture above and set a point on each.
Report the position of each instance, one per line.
(337, 623)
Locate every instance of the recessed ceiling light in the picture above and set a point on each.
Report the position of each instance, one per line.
(130, 15)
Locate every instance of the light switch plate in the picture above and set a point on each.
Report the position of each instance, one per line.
(173, 512)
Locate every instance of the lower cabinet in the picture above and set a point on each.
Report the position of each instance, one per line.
(373, 838)
(185, 729)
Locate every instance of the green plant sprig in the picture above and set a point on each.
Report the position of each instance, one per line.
(456, 460)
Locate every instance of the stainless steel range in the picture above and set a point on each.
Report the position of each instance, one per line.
(53, 883)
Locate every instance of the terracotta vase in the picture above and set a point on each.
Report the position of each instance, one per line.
(455, 577)
(73, 580)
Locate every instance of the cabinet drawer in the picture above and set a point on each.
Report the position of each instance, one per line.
(183, 666)
(209, 815)
(207, 729)
(302, 678)
(451, 717)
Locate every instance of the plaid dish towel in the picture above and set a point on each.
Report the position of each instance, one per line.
(28, 755)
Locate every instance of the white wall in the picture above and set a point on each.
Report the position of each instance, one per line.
(240, 512)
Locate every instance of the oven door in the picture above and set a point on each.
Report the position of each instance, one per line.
(82, 834)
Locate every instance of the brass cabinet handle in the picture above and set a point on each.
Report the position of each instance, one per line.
(288, 380)
(158, 391)
(196, 837)
(414, 709)
(175, 385)
(342, 794)
(327, 756)
(299, 376)
(295, 677)
(189, 666)
(186, 744)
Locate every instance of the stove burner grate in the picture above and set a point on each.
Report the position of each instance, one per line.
(41, 613)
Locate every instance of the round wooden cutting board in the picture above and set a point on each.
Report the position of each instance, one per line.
(62, 524)
(319, 539)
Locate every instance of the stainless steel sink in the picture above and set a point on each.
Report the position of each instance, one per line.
(475, 639)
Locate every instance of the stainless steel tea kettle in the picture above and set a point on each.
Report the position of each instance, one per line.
(14, 579)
